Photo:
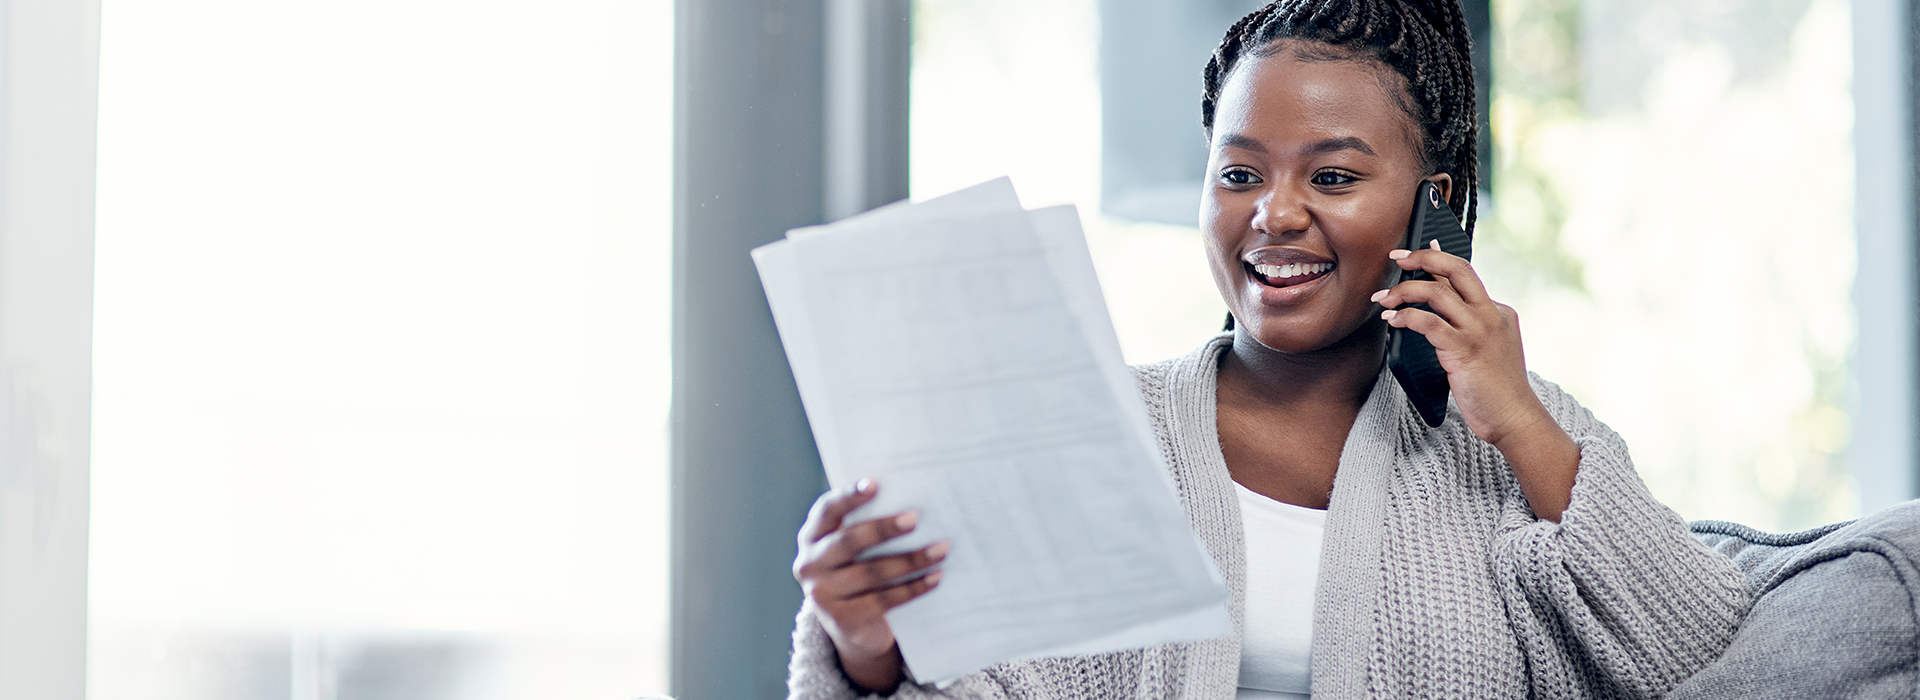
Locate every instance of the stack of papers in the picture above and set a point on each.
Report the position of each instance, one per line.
(959, 351)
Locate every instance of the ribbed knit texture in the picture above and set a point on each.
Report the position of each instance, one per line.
(1436, 581)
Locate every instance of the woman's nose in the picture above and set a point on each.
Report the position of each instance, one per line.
(1281, 212)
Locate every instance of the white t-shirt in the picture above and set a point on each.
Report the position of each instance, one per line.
(1283, 562)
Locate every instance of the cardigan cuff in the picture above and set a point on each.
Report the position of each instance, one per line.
(1619, 572)
(814, 672)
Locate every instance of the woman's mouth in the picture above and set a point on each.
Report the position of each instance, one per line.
(1290, 274)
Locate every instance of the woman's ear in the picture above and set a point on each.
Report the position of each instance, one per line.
(1445, 183)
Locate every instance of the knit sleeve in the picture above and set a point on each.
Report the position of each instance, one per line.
(813, 673)
(1617, 599)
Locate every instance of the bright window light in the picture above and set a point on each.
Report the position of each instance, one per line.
(381, 350)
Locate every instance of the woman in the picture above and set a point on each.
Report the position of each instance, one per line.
(1511, 552)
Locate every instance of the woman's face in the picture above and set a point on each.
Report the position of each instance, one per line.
(1310, 184)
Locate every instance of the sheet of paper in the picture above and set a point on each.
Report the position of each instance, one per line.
(779, 275)
(959, 351)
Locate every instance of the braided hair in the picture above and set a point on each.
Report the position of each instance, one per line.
(1425, 41)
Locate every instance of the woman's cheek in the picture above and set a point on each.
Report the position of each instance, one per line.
(1228, 282)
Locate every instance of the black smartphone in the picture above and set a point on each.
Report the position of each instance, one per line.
(1409, 354)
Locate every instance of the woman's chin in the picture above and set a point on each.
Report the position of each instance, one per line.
(1287, 340)
(1292, 337)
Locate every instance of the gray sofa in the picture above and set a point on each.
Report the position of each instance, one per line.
(1834, 614)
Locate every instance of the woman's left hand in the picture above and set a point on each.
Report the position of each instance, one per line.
(1477, 341)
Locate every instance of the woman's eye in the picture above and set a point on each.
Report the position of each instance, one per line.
(1331, 178)
(1239, 177)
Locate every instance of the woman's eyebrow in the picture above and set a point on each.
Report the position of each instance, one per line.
(1344, 143)
(1241, 142)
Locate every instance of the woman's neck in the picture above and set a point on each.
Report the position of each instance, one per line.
(1340, 376)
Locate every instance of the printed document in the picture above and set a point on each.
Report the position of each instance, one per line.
(958, 351)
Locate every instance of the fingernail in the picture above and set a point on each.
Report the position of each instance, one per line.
(863, 486)
(938, 551)
(1387, 315)
(1399, 254)
(1377, 296)
(934, 578)
(1436, 244)
(906, 520)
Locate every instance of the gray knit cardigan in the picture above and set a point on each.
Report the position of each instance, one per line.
(1436, 580)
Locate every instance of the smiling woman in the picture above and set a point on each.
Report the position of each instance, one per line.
(1299, 183)
(1475, 557)
(1295, 157)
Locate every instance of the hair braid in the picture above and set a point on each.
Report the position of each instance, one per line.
(1425, 41)
(1225, 56)
(1449, 18)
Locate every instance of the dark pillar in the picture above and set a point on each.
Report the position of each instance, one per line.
(751, 160)
(1479, 15)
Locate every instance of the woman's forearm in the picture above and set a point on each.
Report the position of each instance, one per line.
(1545, 460)
(880, 673)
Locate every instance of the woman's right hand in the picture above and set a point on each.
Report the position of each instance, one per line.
(853, 596)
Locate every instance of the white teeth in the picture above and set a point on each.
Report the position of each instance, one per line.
(1292, 269)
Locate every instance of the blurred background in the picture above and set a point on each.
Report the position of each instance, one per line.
(386, 330)
(380, 350)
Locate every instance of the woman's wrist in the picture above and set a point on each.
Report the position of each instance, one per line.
(873, 673)
(1545, 460)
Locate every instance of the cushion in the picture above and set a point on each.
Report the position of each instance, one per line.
(1834, 611)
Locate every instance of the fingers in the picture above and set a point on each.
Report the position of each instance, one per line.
(1449, 319)
(830, 511)
(1437, 294)
(1424, 322)
(828, 564)
(838, 549)
(1456, 297)
(824, 520)
(1443, 265)
(869, 607)
(880, 573)
(893, 596)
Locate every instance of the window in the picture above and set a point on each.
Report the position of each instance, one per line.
(1673, 219)
(381, 350)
